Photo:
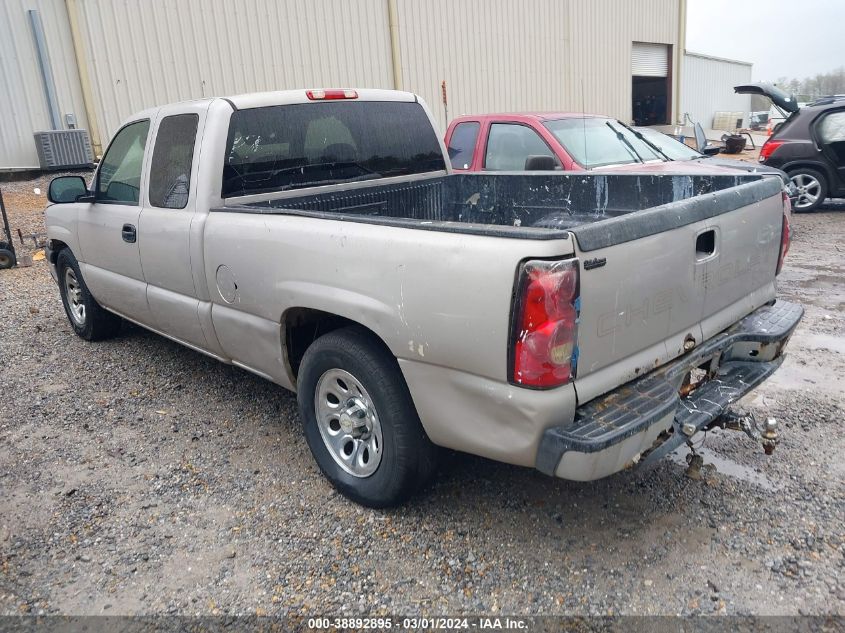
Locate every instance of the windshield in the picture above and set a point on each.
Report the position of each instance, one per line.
(284, 147)
(673, 148)
(591, 142)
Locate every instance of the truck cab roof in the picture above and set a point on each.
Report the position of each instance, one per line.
(249, 100)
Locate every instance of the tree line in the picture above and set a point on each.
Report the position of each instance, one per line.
(809, 88)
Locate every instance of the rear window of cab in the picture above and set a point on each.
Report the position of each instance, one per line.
(279, 148)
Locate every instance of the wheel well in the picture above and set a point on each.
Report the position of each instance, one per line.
(56, 247)
(822, 169)
(303, 326)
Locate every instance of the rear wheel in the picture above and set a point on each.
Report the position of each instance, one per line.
(88, 319)
(811, 186)
(359, 420)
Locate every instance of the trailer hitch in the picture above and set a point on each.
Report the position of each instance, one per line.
(765, 433)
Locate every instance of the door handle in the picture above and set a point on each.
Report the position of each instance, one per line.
(129, 233)
(705, 244)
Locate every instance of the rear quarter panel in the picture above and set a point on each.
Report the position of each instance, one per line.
(442, 298)
(441, 302)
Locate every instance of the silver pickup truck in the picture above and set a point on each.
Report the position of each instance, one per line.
(574, 323)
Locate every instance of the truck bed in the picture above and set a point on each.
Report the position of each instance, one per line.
(531, 206)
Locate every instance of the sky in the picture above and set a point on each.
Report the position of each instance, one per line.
(782, 38)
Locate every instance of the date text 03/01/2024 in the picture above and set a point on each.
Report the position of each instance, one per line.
(418, 623)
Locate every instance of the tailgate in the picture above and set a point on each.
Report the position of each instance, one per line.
(659, 282)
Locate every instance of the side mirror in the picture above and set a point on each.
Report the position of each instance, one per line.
(66, 189)
(711, 150)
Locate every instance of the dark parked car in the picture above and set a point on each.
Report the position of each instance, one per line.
(809, 145)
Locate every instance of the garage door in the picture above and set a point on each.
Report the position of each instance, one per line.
(649, 60)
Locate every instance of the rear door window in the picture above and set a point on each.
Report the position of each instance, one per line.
(462, 144)
(173, 155)
(832, 128)
(509, 145)
(285, 147)
(831, 131)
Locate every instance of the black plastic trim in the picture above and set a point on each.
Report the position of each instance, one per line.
(641, 403)
(673, 215)
(600, 209)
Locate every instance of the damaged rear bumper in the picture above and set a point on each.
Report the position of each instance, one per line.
(656, 413)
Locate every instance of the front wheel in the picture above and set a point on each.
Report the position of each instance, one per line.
(87, 317)
(359, 420)
(811, 186)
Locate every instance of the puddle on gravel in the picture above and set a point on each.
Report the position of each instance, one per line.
(726, 466)
(821, 282)
(819, 342)
(817, 366)
(817, 285)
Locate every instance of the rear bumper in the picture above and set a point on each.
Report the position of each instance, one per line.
(613, 431)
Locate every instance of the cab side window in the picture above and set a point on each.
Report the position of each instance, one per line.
(462, 144)
(119, 177)
(173, 155)
(510, 145)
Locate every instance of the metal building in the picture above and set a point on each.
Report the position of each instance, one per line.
(708, 87)
(110, 59)
(23, 103)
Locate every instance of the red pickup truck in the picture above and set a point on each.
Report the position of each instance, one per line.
(574, 142)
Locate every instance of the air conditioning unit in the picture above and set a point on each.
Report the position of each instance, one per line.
(64, 149)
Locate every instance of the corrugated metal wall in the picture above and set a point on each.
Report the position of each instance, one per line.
(151, 52)
(493, 54)
(23, 105)
(601, 48)
(497, 55)
(708, 87)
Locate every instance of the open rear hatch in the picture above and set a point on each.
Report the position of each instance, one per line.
(782, 100)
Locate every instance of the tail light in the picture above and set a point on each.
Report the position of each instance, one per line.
(785, 233)
(330, 95)
(544, 352)
(768, 148)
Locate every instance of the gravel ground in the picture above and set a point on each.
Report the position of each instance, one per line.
(139, 477)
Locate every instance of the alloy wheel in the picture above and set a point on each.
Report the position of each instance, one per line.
(809, 190)
(75, 301)
(348, 423)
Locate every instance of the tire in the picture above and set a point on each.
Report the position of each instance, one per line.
(7, 259)
(401, 457)
(88, 319)
(812, 188)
